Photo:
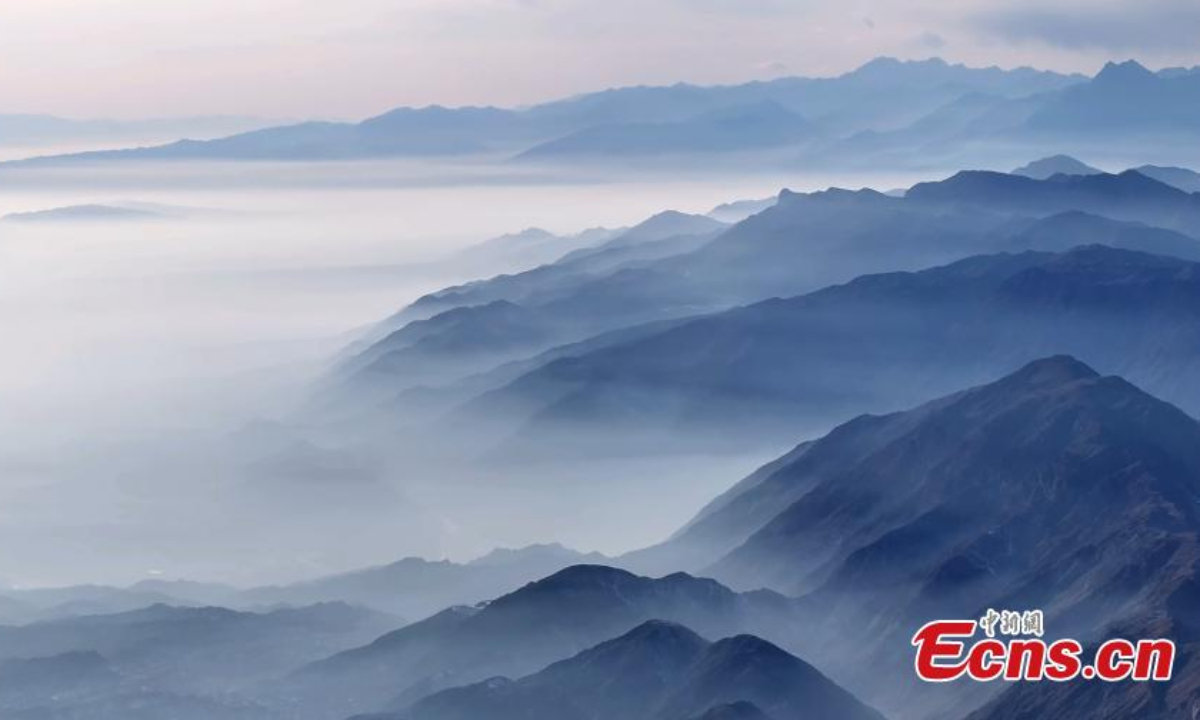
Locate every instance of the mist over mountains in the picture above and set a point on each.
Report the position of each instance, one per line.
(886, 107)
(756, 444)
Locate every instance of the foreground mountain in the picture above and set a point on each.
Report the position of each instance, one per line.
(784, 368)
(657, 671)
(520, 633)
(1053, 488)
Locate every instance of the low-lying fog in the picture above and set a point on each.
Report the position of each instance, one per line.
(141, 356)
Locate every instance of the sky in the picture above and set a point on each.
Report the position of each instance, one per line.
(355, 58)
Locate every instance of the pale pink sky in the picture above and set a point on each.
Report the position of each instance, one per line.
(353, 58)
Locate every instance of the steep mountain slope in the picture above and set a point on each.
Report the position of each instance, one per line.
(1052, 488)
(785, 368)
(1177, 700)
(520, 633)
(657, 671)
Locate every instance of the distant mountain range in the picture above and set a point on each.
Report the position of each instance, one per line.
(409, 588)
(83, 213)
(630, 122)
(1048, 167)
(674, 266)
(162, 661)
(764, 125)
(31, 130)
(880, 342)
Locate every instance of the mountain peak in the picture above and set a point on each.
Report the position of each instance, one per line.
(1051, 372)
(1048, 167)
(739, 710)
(578, 576)
(1124, 72)
(658, 631)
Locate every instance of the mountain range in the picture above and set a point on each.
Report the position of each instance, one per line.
(1054, 487)
(780, 368)
(692, 265)
(633, 121)
(657, 671)
(167, 661)
(520, 633)
(407, 588)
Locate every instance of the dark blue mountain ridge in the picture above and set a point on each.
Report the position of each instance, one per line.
(1053, 487)
(757, 373)
(802, 242)
(521, 632)
(656, 671)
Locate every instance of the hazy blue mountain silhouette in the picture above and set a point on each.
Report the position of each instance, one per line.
(522, 632)
(530, 248)
(802, 242)
(416, 588)
(199, 650)
(764, 125)
(474, 327)
(1122, 98)
(780, 367)
(1182, 178)
(83, 213)
(884, 92)
(656, 671)
(1048, 167)
(1123, 102)
(1126, 196)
